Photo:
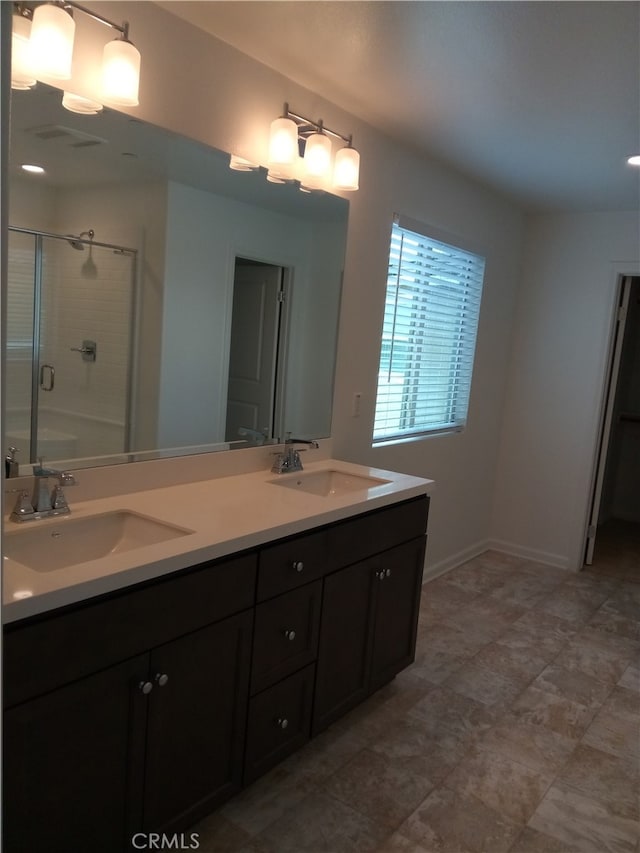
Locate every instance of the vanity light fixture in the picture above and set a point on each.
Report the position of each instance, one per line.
(46, 54)
(31, 167)
(634, 160)
(300, 149)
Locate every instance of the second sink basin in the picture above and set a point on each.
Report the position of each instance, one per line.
(327, 483)
(78, 540)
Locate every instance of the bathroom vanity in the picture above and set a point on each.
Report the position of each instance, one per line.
(143, 707)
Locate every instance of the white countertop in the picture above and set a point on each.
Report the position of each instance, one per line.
(227, 514)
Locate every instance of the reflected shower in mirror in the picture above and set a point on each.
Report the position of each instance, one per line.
(160, 303)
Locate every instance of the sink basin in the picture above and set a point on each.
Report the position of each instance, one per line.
(77, 540)
(328, 483)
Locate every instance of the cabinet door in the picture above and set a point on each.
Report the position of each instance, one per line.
(399, 579)
(344, 651)
(196, 723)
(68, 764)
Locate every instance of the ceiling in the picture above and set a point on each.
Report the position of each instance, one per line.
(540, 100)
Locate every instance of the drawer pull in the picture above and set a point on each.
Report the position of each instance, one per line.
(290, 635)
(145, 687)
(298, 565)
(161, 679)
(282, 722)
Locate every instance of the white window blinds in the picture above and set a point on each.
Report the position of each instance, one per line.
(428, 339)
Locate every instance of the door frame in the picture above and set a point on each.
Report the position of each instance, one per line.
(621, 273)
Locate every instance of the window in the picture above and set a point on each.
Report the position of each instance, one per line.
(428, 337)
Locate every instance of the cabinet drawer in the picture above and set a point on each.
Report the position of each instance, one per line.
(292, 563)
(286, 635)
(279, 722)
(57, 649)
(369, 534)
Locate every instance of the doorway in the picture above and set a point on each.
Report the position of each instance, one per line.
(256, 362)
(613, 544)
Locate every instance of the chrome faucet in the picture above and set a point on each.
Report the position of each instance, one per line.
(289, 460)
(44, 504)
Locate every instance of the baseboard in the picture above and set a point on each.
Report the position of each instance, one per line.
(434, 570)
(555, 560)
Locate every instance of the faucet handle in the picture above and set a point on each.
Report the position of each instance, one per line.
(65, 478)
(23, 505)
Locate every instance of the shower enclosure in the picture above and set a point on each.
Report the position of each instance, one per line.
(69, 339)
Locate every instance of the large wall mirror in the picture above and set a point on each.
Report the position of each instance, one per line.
(158, 302)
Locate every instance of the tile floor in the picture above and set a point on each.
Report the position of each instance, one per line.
(516, 730)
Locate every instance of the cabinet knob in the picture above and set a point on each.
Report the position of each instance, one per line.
(380, 574)
(161, 679)
(145, 687)
(387, 573)
(290, 635)
(282, 722)
(298, 565)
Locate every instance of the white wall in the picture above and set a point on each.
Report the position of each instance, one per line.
(557, 374)
(215, 94)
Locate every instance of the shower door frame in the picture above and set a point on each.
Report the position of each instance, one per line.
(36, 325)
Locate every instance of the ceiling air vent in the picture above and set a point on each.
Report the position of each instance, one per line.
(67, 136)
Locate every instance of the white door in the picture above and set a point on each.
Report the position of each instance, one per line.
(255, 325)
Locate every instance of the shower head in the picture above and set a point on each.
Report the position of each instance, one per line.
(77, 242)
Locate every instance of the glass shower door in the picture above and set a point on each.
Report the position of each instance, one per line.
(81, 297)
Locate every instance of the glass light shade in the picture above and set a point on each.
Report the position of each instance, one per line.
(346, 170)
(283, 148)
(51, 42)
(317, 161)
(275, 179)
(79, 104)
(121, 73)
(241, 164)
(22, 74)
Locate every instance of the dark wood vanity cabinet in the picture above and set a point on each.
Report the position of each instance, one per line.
(368, 630)
(143, 710)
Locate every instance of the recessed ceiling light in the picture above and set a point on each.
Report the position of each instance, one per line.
(30, 167)
(634, 161)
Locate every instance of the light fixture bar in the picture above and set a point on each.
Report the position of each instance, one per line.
(26, 9)
(121, 28)
(308, 126)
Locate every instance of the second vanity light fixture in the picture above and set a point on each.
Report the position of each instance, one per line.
(300, 150)
(42, 49)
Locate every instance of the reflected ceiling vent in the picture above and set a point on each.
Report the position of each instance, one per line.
(68, 136)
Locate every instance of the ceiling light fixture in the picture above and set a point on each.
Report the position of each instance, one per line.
(31, 167)
(634, 160)
(46, 52)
